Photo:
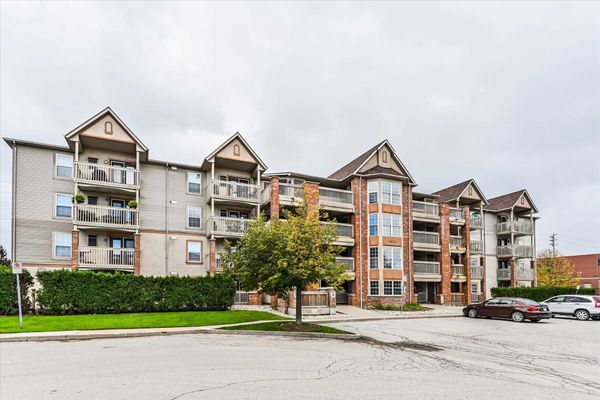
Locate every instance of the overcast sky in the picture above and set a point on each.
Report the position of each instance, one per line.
(507, 93)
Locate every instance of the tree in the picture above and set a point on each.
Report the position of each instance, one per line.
(555, 271)
(4, 260)
(280, 256)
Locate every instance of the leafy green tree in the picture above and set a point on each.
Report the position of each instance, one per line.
(4, 260)
(555, 271)
(280, 256)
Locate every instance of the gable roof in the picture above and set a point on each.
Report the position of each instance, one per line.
(508, 201)
(101, 114)
(238, 136)
(354, 166)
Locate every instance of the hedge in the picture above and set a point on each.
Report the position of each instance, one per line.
(8, 291)
(539, 293)
(84, 292)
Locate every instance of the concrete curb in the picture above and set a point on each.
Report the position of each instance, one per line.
(331, 321)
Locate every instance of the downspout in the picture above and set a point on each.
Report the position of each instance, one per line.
(166, 219)
(13, 249)
(360, 259)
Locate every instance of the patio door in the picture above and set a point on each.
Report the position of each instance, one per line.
(118, 175)
(119, 216)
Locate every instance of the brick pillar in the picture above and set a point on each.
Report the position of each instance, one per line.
(445, 264)
(136, 254)
(534, 268)
(274, 198)
(361, 245)
(484, 279)
(212, 256)
(311, 196)
(467, 257)
(513, 272)
(407, 242)
(74, 250)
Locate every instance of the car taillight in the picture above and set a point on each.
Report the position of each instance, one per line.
(532, 308)
(597, 301)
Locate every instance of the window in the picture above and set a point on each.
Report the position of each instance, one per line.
(194, 252)
(223, 213)
(387, 288)
(236, 150)
(392, 288)
(63, 205)
(390, 193)
(92, 200)
(392, 225)
(62, 245)
(92, 240)
(373, 224)
(374, 257)
(92, 160)
(194, 217)
(384, 156)
(598, 260)
(64, 165)
(372, 189)
(392, 257)
(475, 289)
(194, 180)
(397, 288)
(108, 128)
(374, 288)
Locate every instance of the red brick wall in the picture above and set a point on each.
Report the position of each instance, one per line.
(467, 257)
(311, 196)
(274, 198)
(361, 245)
(74, 250)
(407, 242)
(212, 256)
(587, 266)
(445, 264)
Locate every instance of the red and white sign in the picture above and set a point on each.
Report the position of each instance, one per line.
(17, 267)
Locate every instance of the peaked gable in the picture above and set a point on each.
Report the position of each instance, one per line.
(236, 148)
(519, 198)
(467, 190)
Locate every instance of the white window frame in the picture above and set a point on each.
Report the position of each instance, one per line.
(187, 217)
(56, 165)
(387, 197)
(187, 251)
(54, 243)
(188, 181)
(371, 287)
(370, 190)
(371, 257)
(394, 254)
(388, 288)
(396, 284)
(476, 285)
(392, 219)
(69, 196)
(369, 225)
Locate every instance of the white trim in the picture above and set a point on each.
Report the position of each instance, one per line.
(187, 217)
(241, 138)
(54, 234)
(187, 182)
(55, 205)
(70, 177)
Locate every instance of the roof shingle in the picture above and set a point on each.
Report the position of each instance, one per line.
(353, 165)
(452, 192)
(505, 201)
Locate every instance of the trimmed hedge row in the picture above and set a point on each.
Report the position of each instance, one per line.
(8, 291)
(84, 292)
(539, 293)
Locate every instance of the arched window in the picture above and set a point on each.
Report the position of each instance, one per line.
(108, 128)
(384, 156)
(236, 150)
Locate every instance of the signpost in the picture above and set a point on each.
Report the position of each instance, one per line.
(17, 269)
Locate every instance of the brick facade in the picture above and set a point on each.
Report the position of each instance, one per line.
(361, 245)
(467, 257)
(407, 242)
(445, 263)
(74, 250)
(212, 245)
(274, 211)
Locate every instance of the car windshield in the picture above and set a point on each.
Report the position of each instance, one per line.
(530, 302)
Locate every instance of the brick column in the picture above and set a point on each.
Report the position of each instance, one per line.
(212, 256)
(136, 254)
(311, 196)
(407, 242)
(274, 198)
(361, 245)
(484, 279)
(467, 257)
(445, 264)
(534, 268)
(513, 272)
(74, 250)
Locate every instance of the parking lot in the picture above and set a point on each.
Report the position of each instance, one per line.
(440, 358)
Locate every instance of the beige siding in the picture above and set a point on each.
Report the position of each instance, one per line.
(154, 246)
(96, 130)
(105, 156)
(244, 153)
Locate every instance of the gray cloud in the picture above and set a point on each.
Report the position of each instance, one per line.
(507, 93)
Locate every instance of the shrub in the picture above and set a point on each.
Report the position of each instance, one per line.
(539, 293)
(83, 292)
(8, 291)
(394, 307)
(78, 198)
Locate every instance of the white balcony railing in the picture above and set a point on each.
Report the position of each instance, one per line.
(106, 258)
(476, 247)
(106, 217)
(336, 197)
(476, 272)
(345, 230)
(524, 274)
(476, 222)
(427, 267)
(456, 215)
(230, 190)
(503, 274)
(456, 244)
(287, 190)
(348, 262)
(518, 227)
(224, 226)
(426, 209)
(516, 250)
(105, 175)
(429, 238)
(458, 269)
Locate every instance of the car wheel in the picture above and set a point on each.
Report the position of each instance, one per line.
(582, 315)
(517, 316)
(473, 313)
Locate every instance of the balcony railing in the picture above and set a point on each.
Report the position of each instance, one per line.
(518, 227)
(106, 258)
(427, 267)
(336, 198)
(345, 230)
(241, 297)
(458, 269)
(456, 244)
(230, 190)
(516, 250)
(348, 262)
(429, 238)
(224, 226)
(105, 175)
(287, 190)
(425, 209)
(106, 217)
(456, 215)
(524, 274)
(476, 272)
(457, 299)
(476, 222)
(503, 274)
(476, 247)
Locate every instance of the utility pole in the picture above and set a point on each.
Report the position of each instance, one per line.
(553, 242)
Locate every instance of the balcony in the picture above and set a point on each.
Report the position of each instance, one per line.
(456, 216)
(503, 274)
(457, 270)
(106, 217)
(476, 272)
(106, 258)
(427, 271)
(425, 211)
(345, 233)
(348, 262)
(89, 174)
(525, 274)
(515, 227)
(233, 191)
(290, 194)
(228, 227)
(476, 247)
(426, 241)
(457, 299)
(516, 251)
(336, 199)
(456, 244)
(476, 222)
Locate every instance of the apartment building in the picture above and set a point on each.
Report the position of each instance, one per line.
(588, 267)
(131, 213)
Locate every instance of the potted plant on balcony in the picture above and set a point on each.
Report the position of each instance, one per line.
(78, 198)
(132, 204)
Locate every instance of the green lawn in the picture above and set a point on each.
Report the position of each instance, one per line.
(133, 320)
(281, 327)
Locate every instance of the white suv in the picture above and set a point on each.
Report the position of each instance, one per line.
(576, 305)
